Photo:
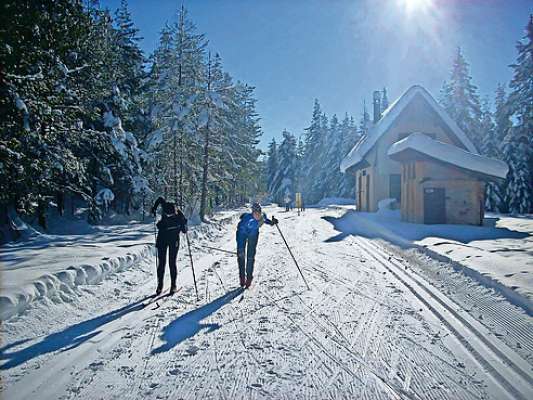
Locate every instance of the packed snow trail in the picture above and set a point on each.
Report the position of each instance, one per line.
(370, 327)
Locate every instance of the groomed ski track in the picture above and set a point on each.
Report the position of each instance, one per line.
(371, 327)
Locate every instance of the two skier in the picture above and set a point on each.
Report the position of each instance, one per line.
(173, 222)
(169, 227)
(247, 237)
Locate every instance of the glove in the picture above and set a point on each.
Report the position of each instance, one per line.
(184, 228)
(153, 211)
(274, 221)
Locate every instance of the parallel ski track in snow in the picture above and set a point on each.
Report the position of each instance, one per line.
(509, 370)
(356, 334)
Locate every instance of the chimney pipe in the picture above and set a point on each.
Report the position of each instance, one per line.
(377, 105)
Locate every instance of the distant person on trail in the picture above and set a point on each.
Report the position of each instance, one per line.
(247, 237)
(169, 227)
(287, 201)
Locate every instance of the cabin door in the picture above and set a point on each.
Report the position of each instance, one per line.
(367, 193)
(434, 206)
(359, 192)
(363, 192)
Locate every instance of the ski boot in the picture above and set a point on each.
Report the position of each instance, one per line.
(172, 290)
(243, 281)
(159, 289)
(248, 283)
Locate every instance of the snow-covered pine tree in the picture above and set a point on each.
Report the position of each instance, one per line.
(519, 190)
(517, 196)
(212, 123)
(300, 173)
(502, 115)
(175, 86)
(331, 175)
(272, 163)
(243, 174)
(350, 137)
(50, 133)
(490, 148)
(284, 180)
(320, 185)
(313, 155)
(460, 99)
(130, 71)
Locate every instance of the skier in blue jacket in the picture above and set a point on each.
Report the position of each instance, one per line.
(247, 236)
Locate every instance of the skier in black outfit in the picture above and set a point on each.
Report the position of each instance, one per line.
(169, 227)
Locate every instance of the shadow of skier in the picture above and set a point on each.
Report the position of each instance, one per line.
(189, 324)
(64, 340)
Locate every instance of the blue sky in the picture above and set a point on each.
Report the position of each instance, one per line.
(339, 51)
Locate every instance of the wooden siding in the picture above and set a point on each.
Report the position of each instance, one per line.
(464, 194)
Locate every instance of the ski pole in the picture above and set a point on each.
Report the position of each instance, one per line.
(224, 251)
(292, 255)
(155, 244)
(192, 266)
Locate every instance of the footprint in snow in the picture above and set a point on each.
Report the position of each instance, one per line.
(97, 365)
(192, 350)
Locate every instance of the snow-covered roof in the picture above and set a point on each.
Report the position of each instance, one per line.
(364, 145)
(449, 154)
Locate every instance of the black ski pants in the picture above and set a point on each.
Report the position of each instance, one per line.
(172, 256)
(248, 259)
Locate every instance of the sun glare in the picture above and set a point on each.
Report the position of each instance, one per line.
(415, 6)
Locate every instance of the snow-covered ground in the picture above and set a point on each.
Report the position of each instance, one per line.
(499, 254)
(55, 264)
(376, 323)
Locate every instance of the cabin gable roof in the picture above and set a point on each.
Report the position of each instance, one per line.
(390, 115)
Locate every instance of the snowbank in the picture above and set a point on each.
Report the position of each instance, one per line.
(52, 266)
(497, 254)
(63, 282)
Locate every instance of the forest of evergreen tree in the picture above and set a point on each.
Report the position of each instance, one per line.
(310, 165)
(90, 121)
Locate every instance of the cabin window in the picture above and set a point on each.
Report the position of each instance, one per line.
(395, 187)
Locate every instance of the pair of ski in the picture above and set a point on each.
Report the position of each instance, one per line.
(244, 290)
(158, 299)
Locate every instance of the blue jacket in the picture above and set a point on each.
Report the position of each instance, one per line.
(248, 227)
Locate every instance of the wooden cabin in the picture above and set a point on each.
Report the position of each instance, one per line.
(408, 175)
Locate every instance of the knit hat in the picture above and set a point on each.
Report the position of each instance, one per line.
(256, 207)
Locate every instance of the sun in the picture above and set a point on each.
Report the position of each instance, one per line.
(415, 6)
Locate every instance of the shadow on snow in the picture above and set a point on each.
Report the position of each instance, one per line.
(373, 225)
(189, 324)
(64, 340)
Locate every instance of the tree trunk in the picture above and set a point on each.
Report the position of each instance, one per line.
(203, 200)
(41, 213)
(60, 202)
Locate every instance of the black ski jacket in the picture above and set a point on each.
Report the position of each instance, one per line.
(169, 228)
